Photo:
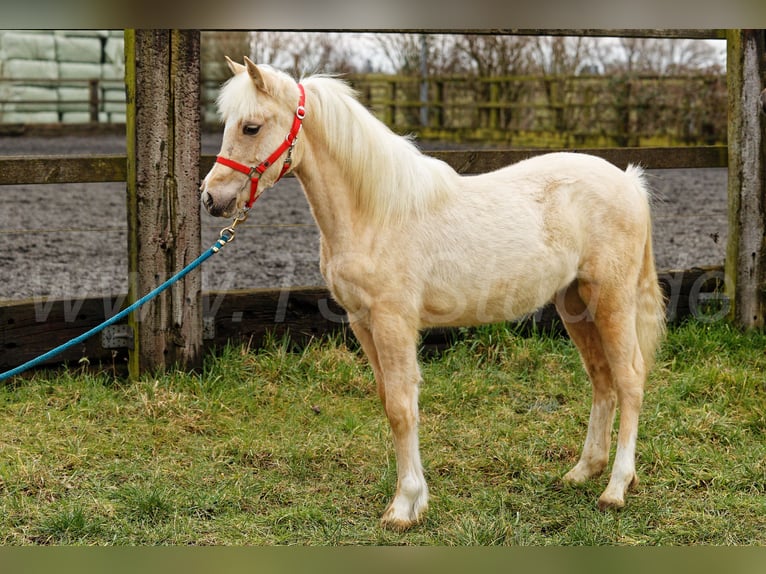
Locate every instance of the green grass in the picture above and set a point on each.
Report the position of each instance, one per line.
(278, 446)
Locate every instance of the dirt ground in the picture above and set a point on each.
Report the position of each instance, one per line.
(70, 240)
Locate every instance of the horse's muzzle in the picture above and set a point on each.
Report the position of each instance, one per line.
(218, 209)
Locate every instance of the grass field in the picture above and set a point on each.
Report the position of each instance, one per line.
(282, 446)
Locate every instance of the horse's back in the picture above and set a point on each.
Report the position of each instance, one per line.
(580, 189)
(586, 169)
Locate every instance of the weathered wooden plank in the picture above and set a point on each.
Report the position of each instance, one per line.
(30, 328)
(163, 141)
(691, 33)
(650, 158)
(251, 315)
(481, 161)
(61, 169)
(102, 168)
(746, 247)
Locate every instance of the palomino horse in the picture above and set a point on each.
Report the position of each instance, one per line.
(408, 243)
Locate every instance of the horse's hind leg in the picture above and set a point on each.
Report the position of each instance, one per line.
(616, 323)
(391, 345)
(578, 320)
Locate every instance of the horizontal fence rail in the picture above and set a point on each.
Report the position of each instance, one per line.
(678, 34)
(31, 328)
(112, 168)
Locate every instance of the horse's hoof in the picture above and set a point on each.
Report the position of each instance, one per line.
(396, 525)
(580, 475)
(392, 521)
(610, 503)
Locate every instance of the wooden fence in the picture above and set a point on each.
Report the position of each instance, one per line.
(552, 110)
(24, 333)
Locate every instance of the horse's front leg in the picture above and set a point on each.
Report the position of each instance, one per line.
(393, 341)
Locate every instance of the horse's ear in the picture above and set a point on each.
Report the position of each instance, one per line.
(234, 67)
(255, 74)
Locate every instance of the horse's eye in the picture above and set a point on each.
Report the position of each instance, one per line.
(250, 130)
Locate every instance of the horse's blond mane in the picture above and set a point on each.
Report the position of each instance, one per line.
(391, 178)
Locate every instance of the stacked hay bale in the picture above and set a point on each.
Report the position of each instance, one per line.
(113, 76)
(47, 76)
(30, 60)
(79, 60)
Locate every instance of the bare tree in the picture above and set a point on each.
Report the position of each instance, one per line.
(663, 56)
(557, 61)
(303, 53)
(402, 53)
(215, 46)
(648, 101)
(498, 58)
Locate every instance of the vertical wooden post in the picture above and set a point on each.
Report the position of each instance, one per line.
(163, 142)
(440, 104)
(93, 100)
(391, 108)
(746, 249)
(494, 102)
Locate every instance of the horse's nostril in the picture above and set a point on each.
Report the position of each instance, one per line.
(208, 200)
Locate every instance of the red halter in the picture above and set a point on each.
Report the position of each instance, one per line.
(255, 173)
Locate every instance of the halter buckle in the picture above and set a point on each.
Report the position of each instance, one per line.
(227, 234)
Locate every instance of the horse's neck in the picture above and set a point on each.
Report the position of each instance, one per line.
(328, 194)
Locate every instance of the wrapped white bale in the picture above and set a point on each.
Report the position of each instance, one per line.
(31, 99)
(117, 118)
(74, 99)
(3, 56)
(113, 72)
(114, 100)
(75, 117)
(3, 94)
(82, 33)
(114, 50)
(114, 95)
(26, 46)
(78, 71)
(78, 49)
(211, 117)
(30, 117)
(31, 69)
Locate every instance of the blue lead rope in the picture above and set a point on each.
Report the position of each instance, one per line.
(227, 235)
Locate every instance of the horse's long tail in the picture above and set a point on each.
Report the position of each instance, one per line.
(650, 316)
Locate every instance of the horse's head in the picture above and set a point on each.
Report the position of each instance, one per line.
(258, 107)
